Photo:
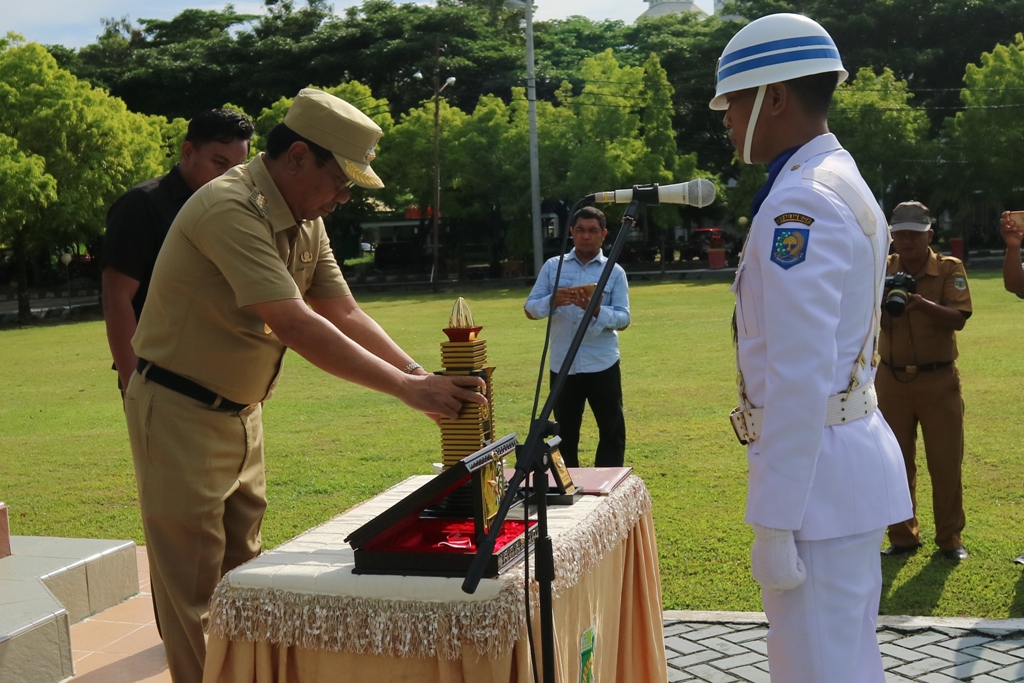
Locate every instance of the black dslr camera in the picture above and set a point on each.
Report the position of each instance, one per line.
(900, 286)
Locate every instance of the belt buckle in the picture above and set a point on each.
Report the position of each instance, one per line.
(910, 369)
(739, 425)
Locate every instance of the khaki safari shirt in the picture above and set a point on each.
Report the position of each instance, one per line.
(235, 243)
(913, 338)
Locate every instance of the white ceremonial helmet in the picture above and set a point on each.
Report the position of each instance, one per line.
(772, 49)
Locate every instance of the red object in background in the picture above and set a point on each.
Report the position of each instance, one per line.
(413, 211)
(956, 247)
(716, 258)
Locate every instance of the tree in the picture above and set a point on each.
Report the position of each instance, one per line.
(924, 42)
(173, 67)
(91, 145)
(562, 45)
(283, 20)
(607, 143)
(659, 162)
(987, 137)
(871, 115)
(25, 188)
(688, 48)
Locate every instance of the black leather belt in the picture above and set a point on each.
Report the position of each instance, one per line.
(187, 387)
(914, 369)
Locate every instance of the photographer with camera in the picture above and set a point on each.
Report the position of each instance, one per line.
(925, 302)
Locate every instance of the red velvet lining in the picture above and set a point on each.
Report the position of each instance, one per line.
(453, 536)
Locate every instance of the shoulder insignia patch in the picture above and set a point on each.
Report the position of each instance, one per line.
(960, 282)
(789, 246)
(259, 201)
(793, 218)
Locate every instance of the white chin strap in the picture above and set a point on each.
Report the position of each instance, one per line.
(749, 140)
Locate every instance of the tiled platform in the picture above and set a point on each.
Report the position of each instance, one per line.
(723, 647)
(121, 645)
(46, 585)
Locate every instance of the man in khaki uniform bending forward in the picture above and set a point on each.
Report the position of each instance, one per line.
(246, 272)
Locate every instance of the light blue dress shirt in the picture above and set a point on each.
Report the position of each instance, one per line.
(600, 347)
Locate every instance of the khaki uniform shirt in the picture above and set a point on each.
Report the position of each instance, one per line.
(913, 338)
(235, 243)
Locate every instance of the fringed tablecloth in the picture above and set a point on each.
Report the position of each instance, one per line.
(298, 613)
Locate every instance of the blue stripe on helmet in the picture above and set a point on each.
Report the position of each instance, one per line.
(775, 45)
(780, 58)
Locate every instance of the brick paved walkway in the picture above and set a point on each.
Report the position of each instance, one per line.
(729, 647)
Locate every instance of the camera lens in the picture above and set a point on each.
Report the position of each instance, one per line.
(896, 302)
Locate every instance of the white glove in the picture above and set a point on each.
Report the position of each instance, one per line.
(774, 560)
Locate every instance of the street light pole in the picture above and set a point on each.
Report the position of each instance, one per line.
(434, 272)
(435, 237)
(531, 98)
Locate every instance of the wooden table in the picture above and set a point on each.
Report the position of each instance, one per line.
(299, 614)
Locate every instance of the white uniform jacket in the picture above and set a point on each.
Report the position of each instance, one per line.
(804, 304)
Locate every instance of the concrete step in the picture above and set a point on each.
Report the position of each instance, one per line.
(47, 584)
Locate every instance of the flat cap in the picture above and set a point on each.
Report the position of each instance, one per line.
(337, 126)
(910, 216)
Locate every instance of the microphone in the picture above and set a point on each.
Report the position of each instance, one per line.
(699, 193)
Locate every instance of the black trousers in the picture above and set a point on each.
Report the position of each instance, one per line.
(603, 390)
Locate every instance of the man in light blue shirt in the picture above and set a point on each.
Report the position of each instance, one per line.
(594, 375)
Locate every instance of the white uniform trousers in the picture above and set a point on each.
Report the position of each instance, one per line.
(823, 631)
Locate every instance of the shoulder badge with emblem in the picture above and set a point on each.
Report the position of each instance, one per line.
(959, 281)
(789, 246)
(259, 201)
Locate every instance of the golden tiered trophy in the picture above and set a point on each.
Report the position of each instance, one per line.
(466, 354)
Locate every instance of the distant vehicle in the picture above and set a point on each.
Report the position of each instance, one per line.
(366, 247)
(701, 239)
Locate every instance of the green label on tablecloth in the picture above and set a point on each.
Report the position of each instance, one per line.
(587, 641)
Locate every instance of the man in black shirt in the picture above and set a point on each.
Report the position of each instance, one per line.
(217, 139)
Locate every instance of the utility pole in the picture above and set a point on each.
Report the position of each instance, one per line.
(438, 87)
(531, 98)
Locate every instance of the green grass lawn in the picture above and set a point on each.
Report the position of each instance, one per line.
(65, 467)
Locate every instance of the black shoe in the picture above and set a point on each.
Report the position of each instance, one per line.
(1020, 559)
(956, 554)
(894, 550)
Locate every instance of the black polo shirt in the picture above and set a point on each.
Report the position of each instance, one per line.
(137, 224)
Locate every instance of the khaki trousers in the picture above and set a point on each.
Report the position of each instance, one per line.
(932, 400)
(202, 493)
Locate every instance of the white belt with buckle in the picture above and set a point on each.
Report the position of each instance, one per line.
(842, 408)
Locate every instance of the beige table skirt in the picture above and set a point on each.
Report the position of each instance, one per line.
(298, 614)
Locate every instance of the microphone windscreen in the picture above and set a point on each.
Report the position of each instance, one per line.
(703, 192)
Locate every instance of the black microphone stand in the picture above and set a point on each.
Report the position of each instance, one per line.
(534, 457)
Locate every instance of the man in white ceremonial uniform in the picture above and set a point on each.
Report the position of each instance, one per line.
(826, 475)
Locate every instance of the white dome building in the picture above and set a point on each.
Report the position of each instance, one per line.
(659, 8)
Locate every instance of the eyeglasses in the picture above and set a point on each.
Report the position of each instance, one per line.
(341, 183)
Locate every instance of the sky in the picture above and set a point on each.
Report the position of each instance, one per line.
(77, 23)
